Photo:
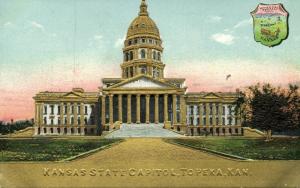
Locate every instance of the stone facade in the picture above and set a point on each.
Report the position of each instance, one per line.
(143, 95)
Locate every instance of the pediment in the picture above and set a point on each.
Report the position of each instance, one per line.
(72, 95)
(143, 82)
(211, 96)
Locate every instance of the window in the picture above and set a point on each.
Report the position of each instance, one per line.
(143, 53)
(158, 56)
(155, 73)
(210, 121)
(131, 71)
(131, 55)
(72, 120)
(45, 120)
(150, 41)
(66, 109)
(143, 40)
(230, 120)
(223, 121)
(223, 110)
(129, 42)
(78, 109)
(72, 109)
(204, 121)
(58, 121)
(204, 109)
(85, 121)
(92, 120)
(52, 109)
(143, 69)
(52, 122)
(58, 110)
(85, 110)
(217, 121)
(210, 109)
(65, 121)
(78, 121)
(192, 110)
(217, 109)
(45, 109)
(154, 55)
(135, 41)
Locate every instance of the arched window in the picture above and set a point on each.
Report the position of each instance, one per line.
(143, 69)
(78, 121)
(131, 55)
(158, 56)
(126, 56)
(154, 55)
(143, 53)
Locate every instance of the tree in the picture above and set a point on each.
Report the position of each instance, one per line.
(269, 108)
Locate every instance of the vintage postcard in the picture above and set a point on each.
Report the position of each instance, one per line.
(149, 93)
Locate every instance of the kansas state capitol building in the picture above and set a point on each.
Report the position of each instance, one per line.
(143, 95)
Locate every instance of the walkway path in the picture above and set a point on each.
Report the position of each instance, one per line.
(142, 131)
(150, 163)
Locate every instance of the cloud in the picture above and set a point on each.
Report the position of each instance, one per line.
(222, 38)
(98, 37)
(8, 24)
(243, 23)
(37, 25)
(119, 42)
(215, 18)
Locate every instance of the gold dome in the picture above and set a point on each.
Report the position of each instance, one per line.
(143, 24)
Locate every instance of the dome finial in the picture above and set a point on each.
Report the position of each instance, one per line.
(143, 8)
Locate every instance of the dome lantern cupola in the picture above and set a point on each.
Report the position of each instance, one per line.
(143, 47)
(143, 9)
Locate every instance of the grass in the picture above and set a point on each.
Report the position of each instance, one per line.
(47, 149)
(277, 149)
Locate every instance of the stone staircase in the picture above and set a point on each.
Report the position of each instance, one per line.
(142, 131)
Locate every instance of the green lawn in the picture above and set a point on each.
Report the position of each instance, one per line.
(47, 149)
(277, 149)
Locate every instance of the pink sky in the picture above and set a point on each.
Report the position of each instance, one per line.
(18, 89)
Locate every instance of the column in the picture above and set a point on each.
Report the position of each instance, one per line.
(120, 108)
(81, 114)
(166, 107)
(103, 111)
(220, 113)
(128, 109)
(41, 113)
(75, 115)
(174, 109)
(138, 108)
(182, 110)
(68, 114)
(147, 109)
(111, 110)
(61, 113)
(238, 114)
(207, 113)
(36, 107)
(200, 114)
(156, 109)
(214, 114)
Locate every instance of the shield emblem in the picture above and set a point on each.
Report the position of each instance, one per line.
(270, 24)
